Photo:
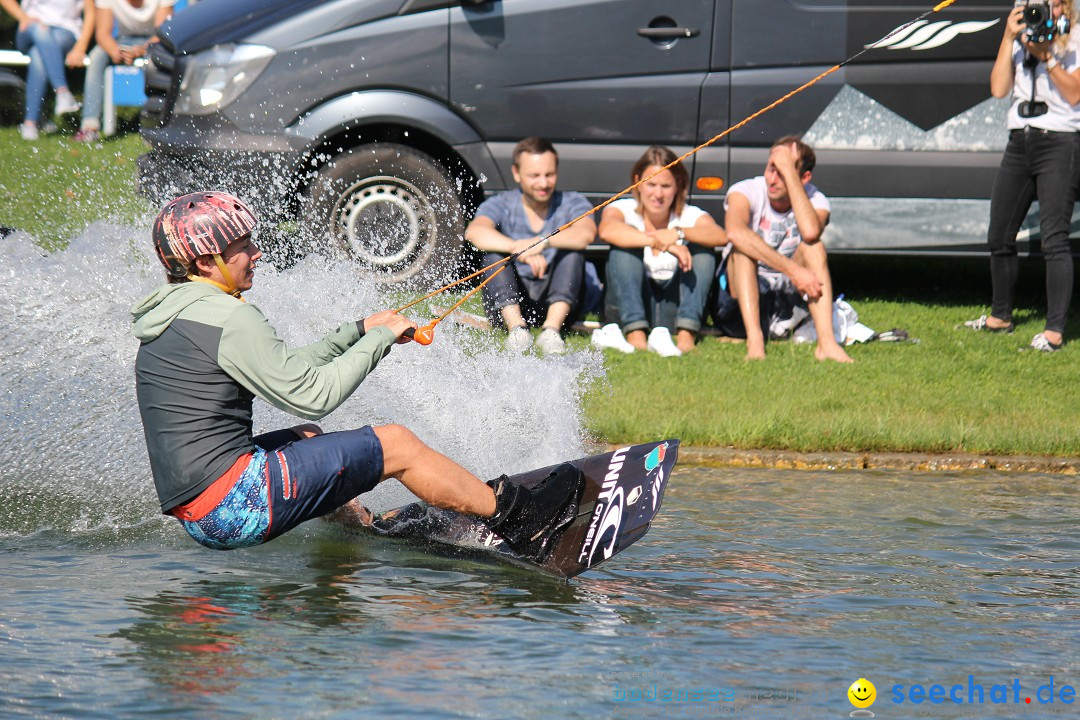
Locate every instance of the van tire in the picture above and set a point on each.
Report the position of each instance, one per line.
(390, 208)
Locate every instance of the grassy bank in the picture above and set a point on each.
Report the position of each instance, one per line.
(53, 187)
(953, 391)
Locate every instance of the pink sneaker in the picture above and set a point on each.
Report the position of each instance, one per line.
(87, 135)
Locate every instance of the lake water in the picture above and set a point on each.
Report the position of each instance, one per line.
(766, 592)
(757, 593)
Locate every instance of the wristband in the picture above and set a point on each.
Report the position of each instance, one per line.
(680, 236)
(1051, 63)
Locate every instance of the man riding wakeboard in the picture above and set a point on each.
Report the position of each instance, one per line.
(205, 353)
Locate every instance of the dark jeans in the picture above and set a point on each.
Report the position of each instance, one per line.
(564, 281)
(677, 304)
(1039, 165)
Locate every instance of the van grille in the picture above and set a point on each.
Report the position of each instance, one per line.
(161, 84)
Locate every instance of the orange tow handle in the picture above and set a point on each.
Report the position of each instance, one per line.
(422, 335)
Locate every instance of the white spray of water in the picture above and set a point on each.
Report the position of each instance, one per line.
(72, 454)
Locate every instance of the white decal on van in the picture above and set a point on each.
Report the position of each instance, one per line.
(923, 36)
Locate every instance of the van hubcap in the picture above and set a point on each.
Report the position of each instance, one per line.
(384, 221)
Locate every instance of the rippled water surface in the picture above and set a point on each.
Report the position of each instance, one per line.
(757, 593)
(751, 582)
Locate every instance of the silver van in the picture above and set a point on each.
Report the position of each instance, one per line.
(377, 126)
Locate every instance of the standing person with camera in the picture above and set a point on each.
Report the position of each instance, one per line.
(1039, 63)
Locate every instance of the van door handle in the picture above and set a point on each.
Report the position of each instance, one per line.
(667, 32)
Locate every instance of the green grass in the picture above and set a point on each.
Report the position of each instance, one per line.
(955, 391)
(54, 187)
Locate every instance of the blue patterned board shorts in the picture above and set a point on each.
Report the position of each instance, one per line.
(289, 481)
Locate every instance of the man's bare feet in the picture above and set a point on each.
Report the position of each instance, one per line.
(832, 352)
(638, 339)
(685, 341)
(755, 349)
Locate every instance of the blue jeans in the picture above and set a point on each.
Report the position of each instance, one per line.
(47, 46)
(677, 304)
(1039, 165)
(94, 90)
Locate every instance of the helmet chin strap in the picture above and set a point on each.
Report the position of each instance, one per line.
(229, 288)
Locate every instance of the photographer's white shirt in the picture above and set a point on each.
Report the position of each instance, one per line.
(1061, 116)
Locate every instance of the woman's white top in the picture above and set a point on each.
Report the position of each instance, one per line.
(1061, 116)
(658, 266)
(134, 21)
(66, 14)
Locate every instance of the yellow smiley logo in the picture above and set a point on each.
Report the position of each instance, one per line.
(862, 693)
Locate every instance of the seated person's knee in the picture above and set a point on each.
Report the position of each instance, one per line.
(810, 255)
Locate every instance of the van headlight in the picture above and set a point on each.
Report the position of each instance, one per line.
(216, 77)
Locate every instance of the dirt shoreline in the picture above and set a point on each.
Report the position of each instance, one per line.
(917, 462)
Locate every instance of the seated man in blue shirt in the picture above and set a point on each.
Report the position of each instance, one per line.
(544, 285)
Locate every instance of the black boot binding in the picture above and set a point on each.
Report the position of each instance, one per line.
(529, 518)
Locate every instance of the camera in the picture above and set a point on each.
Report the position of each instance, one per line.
(1041, 26)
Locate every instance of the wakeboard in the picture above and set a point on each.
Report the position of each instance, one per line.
(620, 494)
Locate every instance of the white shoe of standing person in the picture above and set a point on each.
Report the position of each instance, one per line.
(609, 336)
(550, 342)
(660, 343)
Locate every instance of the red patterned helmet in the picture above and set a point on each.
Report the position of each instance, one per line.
(202, 223)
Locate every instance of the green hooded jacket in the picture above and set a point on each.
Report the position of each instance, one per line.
(204, 355)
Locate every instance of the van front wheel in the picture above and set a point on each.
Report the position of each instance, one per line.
(390, 208)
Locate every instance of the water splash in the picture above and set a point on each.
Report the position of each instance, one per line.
(73, 458)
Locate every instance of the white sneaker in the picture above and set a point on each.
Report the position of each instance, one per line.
(66, 103)
(28, 131)
(519, 339)
(610, 336)
(550, 342)
(661, 344)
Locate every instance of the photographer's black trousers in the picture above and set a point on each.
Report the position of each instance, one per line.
(1043, 165)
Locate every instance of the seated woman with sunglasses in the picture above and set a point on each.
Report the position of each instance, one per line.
(1038, 62)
